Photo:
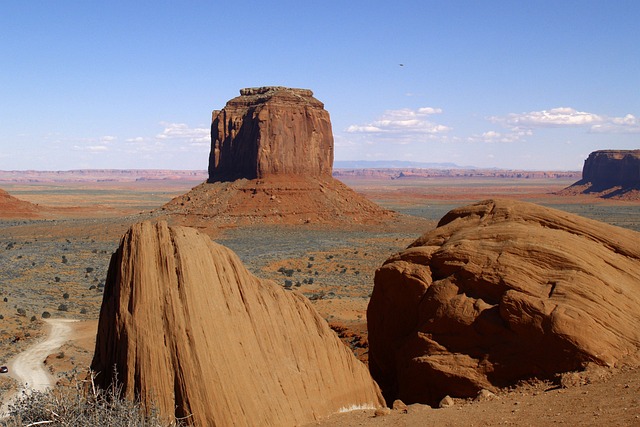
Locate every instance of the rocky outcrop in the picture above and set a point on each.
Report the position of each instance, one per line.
(12, 207)
(191, 331)
(611, 174)
(270, 163)
(502, 291)
(270, 130)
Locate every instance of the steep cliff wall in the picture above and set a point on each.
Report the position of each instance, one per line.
(609, 168)
(609, 174)
(270, 130)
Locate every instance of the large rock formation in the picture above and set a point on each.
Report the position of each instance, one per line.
(502, 291)
(611, 173)
(271, 131)
(270, 162)
(192, 332)
(12, 207)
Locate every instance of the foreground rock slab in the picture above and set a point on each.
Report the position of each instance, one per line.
(192, 332)
(502, 291)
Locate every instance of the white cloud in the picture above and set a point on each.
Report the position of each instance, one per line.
(626, 124)
(403, 126)
(492, 136)
(429, 110)
(197, 136)
(555, 117)
(107, 139)
(91, 148)
(136, 139)
(568, 117)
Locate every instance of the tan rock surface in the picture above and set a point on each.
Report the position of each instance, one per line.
(501, 291)
(190, 329)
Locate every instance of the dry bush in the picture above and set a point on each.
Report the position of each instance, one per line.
(82, 406)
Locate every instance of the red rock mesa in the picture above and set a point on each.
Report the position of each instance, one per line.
(270, 162)
(271, 131)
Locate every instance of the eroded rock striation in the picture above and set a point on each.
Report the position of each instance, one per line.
(502, 291)
(271, 130)
(611, 173)
(270, 163)
(192, 332)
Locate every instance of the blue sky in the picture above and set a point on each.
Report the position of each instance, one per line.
(508, 84)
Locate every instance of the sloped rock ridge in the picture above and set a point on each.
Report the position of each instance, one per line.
(499, 292)
(271, 130)
(12, 207)
(276, 200)
(192, 332)
(611, 173)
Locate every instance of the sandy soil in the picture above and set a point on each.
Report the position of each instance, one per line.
(607, 398)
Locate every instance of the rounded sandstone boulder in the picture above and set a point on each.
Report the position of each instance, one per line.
(502, 291)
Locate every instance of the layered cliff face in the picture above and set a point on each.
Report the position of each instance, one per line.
(192, 332)
(271, 131)
(610, 174)
(270, 163)
(502, 291)
(609, 168)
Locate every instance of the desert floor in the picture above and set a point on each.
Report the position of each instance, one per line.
(56, 266)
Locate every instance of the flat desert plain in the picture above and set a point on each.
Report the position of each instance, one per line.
(55, 266)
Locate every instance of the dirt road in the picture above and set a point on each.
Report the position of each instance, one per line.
(28, 367)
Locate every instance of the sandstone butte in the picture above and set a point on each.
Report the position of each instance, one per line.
(270, 162)
(191, 331)
(503, 291)
(12, 207)
(610, 174)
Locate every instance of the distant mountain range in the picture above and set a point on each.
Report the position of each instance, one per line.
(394, 164)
